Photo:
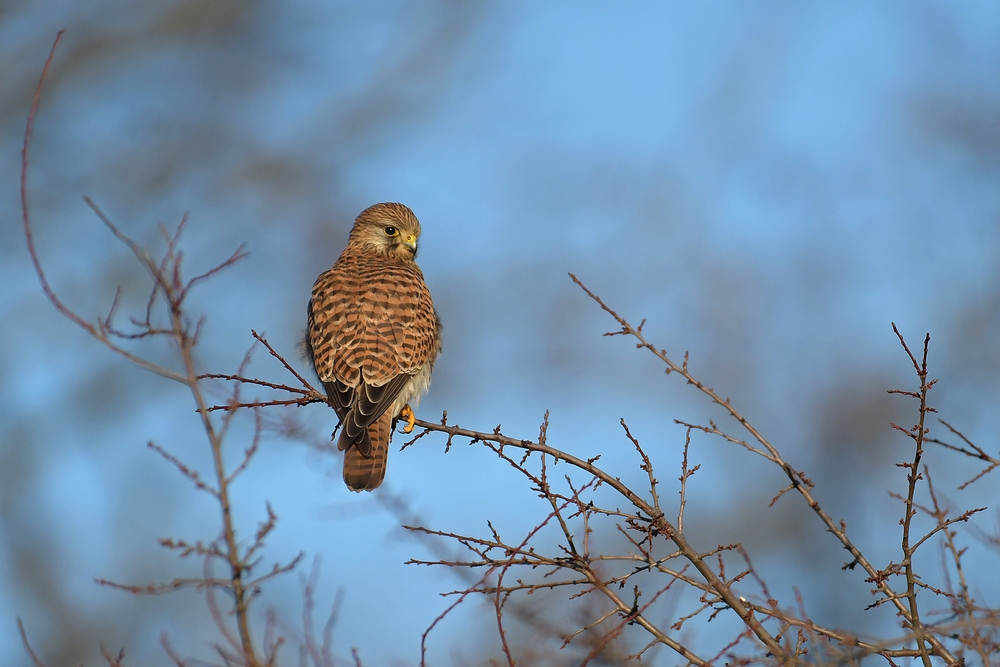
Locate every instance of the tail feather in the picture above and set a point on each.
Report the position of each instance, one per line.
(364, 473)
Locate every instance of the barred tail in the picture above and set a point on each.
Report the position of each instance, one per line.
(364, 473)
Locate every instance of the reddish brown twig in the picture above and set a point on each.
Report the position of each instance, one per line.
(797, 478)
(168, 292)
(35, 660)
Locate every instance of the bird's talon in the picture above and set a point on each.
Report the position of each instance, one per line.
(407, 414)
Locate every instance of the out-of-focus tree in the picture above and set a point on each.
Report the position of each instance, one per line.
(769, 188)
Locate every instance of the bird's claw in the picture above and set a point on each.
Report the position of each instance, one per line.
(411, 419)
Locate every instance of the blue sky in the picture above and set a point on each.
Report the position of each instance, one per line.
(769, 184)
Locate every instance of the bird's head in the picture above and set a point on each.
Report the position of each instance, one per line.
(390, 229)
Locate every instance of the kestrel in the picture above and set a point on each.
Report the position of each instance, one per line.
(373, 336)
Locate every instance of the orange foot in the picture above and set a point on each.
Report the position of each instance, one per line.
(407, 414)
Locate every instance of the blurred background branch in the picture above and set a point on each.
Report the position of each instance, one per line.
(769, 186)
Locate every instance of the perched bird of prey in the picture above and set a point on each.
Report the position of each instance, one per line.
(373, 336)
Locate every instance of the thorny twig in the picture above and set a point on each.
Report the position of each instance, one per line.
(640, 529)
(168, 294)
(650, 522)
(716, 588)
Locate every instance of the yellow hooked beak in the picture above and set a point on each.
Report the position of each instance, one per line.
(410, 241)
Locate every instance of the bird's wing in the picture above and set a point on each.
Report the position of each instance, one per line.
(368, 404)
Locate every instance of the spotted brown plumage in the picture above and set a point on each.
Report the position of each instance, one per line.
(373, 336)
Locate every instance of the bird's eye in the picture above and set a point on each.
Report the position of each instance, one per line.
(391, 231)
